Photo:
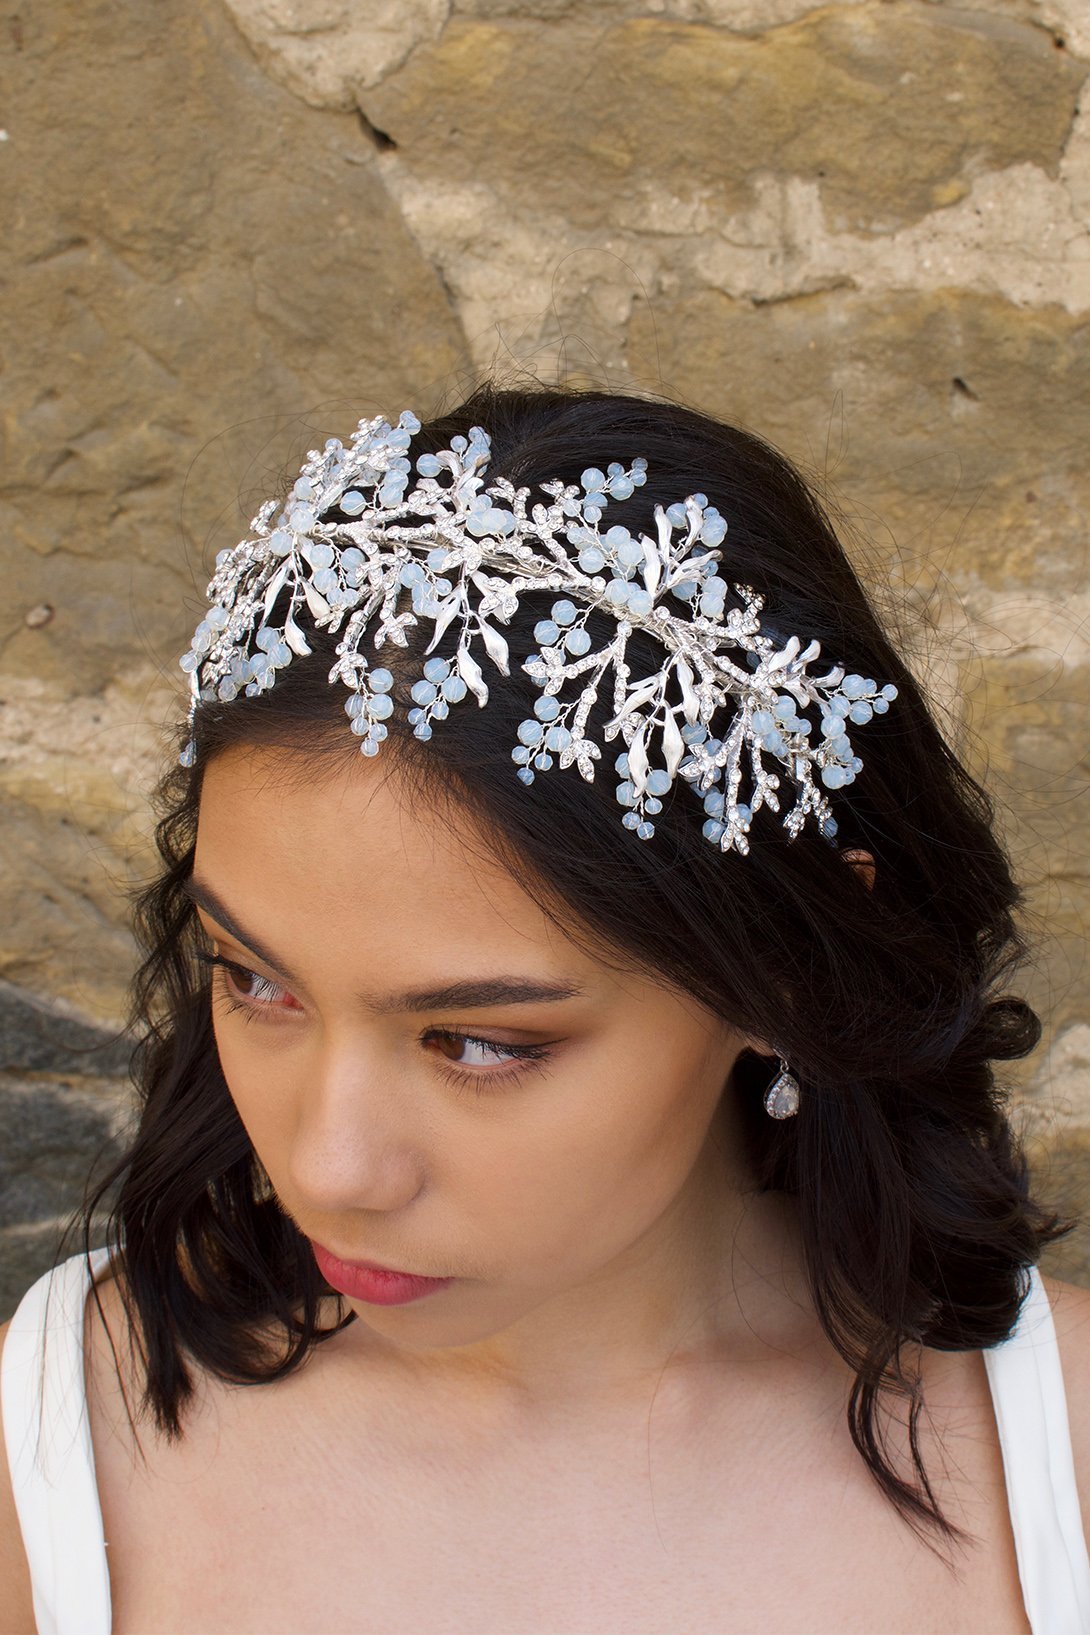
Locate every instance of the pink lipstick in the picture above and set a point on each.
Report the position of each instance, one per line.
(376, 1284)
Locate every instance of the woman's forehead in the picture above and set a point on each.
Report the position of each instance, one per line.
(361, 852)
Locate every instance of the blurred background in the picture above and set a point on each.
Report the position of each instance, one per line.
(233, 227)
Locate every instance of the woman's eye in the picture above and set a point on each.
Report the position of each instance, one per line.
(473, 1060)
(253, 990)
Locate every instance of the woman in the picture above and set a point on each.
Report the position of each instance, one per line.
(575, 1112)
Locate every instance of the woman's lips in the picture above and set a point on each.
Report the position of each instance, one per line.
(378, 1285)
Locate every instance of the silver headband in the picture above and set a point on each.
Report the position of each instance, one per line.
(444, 548)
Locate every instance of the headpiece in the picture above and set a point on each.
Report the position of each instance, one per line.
(361, 539)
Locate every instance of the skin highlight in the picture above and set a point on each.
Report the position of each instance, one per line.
(585, 1193)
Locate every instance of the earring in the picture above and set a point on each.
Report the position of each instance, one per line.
(782, 1095)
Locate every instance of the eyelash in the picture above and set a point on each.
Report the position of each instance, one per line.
(524, 1057)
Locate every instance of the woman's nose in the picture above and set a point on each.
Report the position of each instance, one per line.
(355, 1144)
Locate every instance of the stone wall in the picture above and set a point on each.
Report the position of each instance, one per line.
(861, 229)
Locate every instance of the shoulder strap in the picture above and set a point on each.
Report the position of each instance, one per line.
(43, 1400)
(1031, 1412)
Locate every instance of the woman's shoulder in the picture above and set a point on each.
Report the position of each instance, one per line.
(16, 1595)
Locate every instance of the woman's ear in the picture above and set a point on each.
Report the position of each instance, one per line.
(864, 862)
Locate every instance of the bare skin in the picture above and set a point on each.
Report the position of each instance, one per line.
(622, 1417)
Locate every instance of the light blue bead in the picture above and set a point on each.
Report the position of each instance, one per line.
(645, 831)
(520, 754)
(381, 681)
(626, 795)
(302, 518)
(437, 557)
(713, 532)
(621, 765)
(658, 782)
(762, 721)
(700, 499)
(614, 469)
(547, 708)
(713, 746)
(543, 762)
(714, 802)
(564, 613)
(631, 554)
(454, 688)
(653, 806)
(694, 734)
(592, 512)
(711, 605)
(578, 642)
(415, 716)
(265, 638)
(216, 618)
(879, 705)
(856, 764)
(745, 815)
(557, 738)
(841, 745)
(411, 574)
(860, 713)
(832, 776)
(382, 707)
(280, 542)
(422, 731)
(641, 602)
(889, 691)
(621, 488)
(530, 732)
(352, 503)
(617, 536)
(593, 480)
(677, 515)
(369, 746)
(685, 589)
(591, 560)
(379, 730)
(853, 686)
(713, 829)
(436, 670)
(361, 726)
(525, 774)
(428, 465)
(617, 592)
(631, 820)
(546, 633)
(423, 692)
(440, 709)
(639, 476)
(829, 827)
(325, 580)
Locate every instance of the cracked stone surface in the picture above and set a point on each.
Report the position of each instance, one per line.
(861, 228)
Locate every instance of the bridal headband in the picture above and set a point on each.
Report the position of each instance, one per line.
(368, 541)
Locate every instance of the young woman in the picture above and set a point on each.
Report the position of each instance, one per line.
(571, 1192)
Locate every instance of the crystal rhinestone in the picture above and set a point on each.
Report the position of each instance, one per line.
(782, 1096)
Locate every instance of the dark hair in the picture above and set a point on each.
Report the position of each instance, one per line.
(910, 1185)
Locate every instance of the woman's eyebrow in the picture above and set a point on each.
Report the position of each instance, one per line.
(468, 993)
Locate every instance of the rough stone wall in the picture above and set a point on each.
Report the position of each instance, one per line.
(861, 228)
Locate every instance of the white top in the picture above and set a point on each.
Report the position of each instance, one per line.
(61, 1521)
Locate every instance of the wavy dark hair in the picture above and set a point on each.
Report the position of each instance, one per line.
(910, 1184)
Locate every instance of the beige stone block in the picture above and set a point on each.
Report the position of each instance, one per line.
(891, 109)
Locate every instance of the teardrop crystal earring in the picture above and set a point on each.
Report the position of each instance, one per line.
(782, 1095)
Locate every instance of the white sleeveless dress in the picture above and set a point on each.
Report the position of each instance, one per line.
(61, 1521)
